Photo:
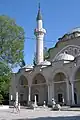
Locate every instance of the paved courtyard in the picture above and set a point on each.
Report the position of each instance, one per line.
(41, 114)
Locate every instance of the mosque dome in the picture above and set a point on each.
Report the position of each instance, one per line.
(64, 56)
(45, 63)
(74, 33)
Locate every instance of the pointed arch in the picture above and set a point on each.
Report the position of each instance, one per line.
(60, 87)
(59, 77)
(39, 88)
(38, 79)
(23, 90)
(23, 80)
(76, 81)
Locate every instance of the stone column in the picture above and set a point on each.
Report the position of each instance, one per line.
(68, 98)
(48, 92)
(35, 102)
(29, 95)
(16, 98)
(72, 91)
(52, 89)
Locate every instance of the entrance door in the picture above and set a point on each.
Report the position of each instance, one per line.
(60, 98)
(75, 98)
(37, 97)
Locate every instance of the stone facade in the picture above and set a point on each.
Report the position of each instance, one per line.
(56, 78)
(59, 80)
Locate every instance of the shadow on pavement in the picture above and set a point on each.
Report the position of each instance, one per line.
(53, 118)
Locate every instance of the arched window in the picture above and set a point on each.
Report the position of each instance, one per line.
(23, 80)
(66, 51)
(75, 51)
(70, 48)
(38, 79)
(35, 81)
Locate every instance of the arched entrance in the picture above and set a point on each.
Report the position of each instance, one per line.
(77, 87)
(39, 88)
(60, 94)
(23, 90)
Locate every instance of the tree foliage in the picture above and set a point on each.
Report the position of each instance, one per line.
(11, 41)
(11, 51)
(22, 64)
(5, 76)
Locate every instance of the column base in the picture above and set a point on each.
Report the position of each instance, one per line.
(49, 103)
(29, 103)
(72, 104)
(68, 103)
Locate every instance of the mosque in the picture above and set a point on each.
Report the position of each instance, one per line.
(57, 77)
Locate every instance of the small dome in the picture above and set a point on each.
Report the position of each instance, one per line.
(45, 63)
(28, 67)
(64, 56)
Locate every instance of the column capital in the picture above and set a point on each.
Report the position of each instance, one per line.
(29, 86)
(49, 82)
(71, 82)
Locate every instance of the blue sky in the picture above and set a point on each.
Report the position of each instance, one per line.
(59, 16)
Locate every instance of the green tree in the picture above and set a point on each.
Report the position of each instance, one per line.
(5, 76)
(11, 41)
(11, 51)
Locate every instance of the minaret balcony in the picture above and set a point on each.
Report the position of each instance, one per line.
(39, 31)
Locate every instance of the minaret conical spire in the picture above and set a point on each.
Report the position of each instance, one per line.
(39, 16)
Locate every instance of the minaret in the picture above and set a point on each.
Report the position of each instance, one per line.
(39, 33)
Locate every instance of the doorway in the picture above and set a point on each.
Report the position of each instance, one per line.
(60, 98)
(75, 98)
(37, 97)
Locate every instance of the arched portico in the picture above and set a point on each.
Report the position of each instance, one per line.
(60, 89)
(39, 88)
(77, 86)
(23, 90)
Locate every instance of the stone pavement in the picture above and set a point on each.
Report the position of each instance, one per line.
(39, 114)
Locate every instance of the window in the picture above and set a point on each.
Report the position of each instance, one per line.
(66, 51)
(79, 51)
(23, 80)
(70, 48)
(21, 83)
(35, 81)
(75, 51)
